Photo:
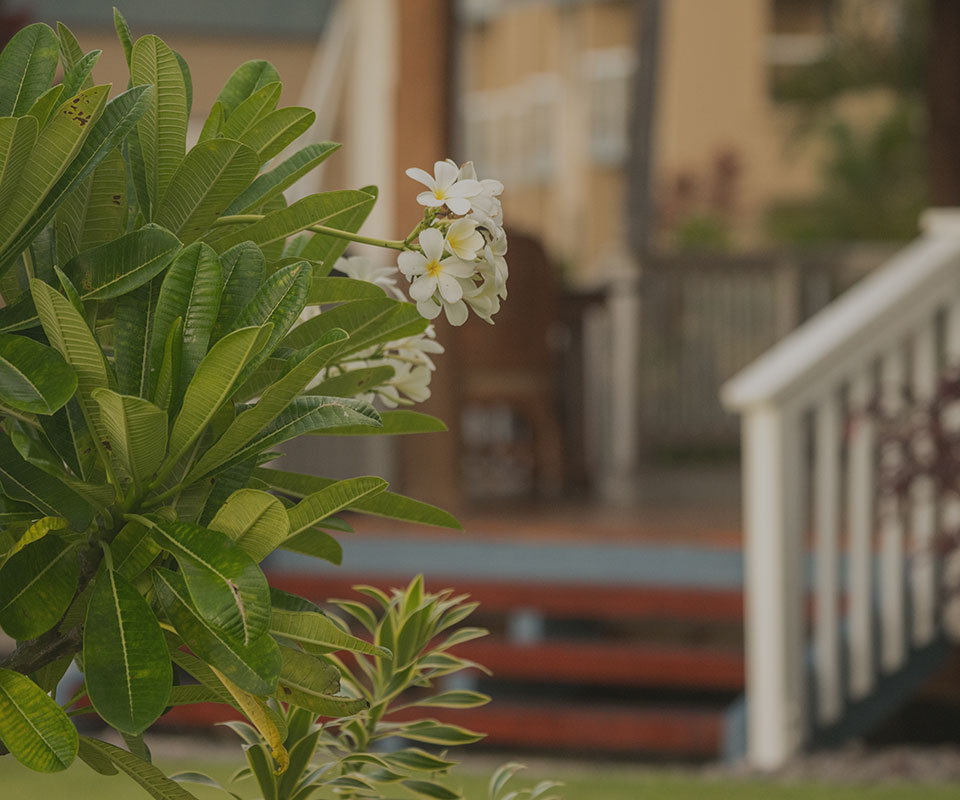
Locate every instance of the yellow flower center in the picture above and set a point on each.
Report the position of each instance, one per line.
(439, 193)
(434, 268)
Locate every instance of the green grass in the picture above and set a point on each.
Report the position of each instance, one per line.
(581, 783)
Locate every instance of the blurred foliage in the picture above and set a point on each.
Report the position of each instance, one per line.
(874, 181)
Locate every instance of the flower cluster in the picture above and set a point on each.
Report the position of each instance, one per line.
(410, 358)
(459, 261)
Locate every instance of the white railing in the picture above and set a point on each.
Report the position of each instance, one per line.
(815, 524)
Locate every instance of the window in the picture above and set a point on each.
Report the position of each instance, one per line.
(608, 73)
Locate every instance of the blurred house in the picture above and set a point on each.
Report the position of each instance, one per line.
(612, 345)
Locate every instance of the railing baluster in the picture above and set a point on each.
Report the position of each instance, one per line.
(826, 509)
(860, 521)
(923, 516)
(893, 375)
(775, 583)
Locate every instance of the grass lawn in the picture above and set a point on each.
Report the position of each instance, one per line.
(610, 783)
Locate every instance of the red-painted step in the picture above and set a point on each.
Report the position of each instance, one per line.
(606, 663)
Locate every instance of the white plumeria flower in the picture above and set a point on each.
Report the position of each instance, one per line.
(413, 381)
(362, 268)
(445, 187)
(483, 299)
(463, 239)
(431, 272)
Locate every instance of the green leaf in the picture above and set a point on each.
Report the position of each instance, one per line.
(276, 130)
(212, 385)
(60, 142)
(432, 789)
(212, 124)
(317, 630)
(326, 248)
(36, 586)
(385, 504)
(315, 543)
(255, 520)
(35, 533)
(420, 760)
(123, 34)
(96, 211)
(67, 331)
(133, 550)
(244, 269)
(212, 174)
(125, 661)
(33, 727)
(341, 290)
(225, 584)
(308, 682)
(354, 382)
(433, 732)
(281, 177)
(161, 137)
(133, 314)
(107, 132)
(136, 430)
(254, 667)
(305, 415)
(456, 698)
(187, 81)
(45, 103)
(212, 683)
(24, 481)
(70, 51)
(279, 301)
(77, 78)
(272, 402)
(401, 421)
(27, 66)
(317, 209)
(368, 322)
(149, 778)
(18, 135)
(168, 378)
(190, 290)
(337, 496)
(33, 377)
(245, 80)
(251, 111)
(123, 264)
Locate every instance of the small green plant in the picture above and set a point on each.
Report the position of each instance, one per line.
(168, 321)
(413, 633)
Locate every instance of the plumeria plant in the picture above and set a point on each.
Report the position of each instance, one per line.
(167, 321)
(347, 757)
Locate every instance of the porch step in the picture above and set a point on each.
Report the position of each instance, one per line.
(608, 663)
(561, 599)
(666, 731)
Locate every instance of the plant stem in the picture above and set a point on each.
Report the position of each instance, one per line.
(391, 244)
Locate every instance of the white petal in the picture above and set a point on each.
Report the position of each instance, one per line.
(449, 288)
(457, 267)
(456, 313)
(466, 188)
(458, 205)
(411, 263)
(490, 186)
(431, 240)
(423, 288)
(428, 309)
(468, 171)
(421, 176)
(429, 199)
(446, 173)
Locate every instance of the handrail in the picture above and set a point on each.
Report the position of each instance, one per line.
(882, 307)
